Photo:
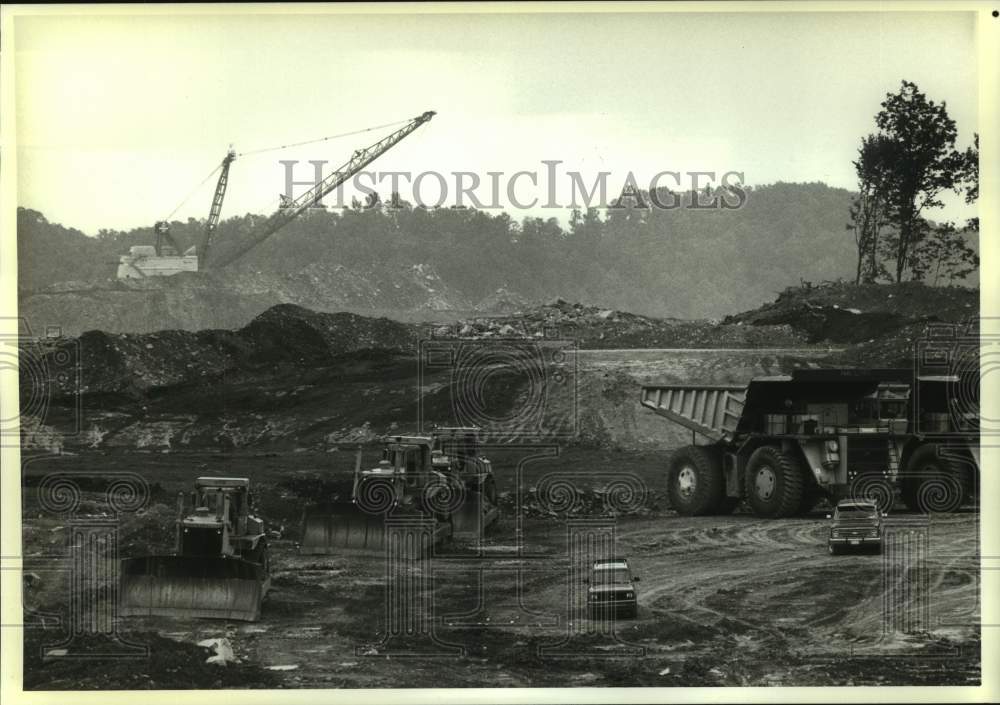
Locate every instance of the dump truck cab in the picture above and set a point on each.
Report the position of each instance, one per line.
(855, 524)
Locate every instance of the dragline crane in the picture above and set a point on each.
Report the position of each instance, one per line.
(292, 208)
(165, 257)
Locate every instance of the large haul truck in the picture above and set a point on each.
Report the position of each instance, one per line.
(783, 443)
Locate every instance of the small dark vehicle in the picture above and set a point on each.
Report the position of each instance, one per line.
(857, 524)
(611, 591)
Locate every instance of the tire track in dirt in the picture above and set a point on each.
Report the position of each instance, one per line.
(692, 569)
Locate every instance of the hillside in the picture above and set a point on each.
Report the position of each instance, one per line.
(417, 264)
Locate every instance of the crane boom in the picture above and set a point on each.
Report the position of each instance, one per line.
(291, 209)
(216, 209)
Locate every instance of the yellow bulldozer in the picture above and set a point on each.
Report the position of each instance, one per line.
(220, 567)
(439, 480)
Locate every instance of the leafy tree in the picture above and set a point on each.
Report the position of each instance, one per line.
(871, 209)
(970, 178)
(942, 252)
(925, 162)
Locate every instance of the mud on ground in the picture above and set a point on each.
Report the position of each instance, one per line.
(722, 600)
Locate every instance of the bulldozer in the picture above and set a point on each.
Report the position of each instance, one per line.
(440, 481)
(456, 453)
(220, 567)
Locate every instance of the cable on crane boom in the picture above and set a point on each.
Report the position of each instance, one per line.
(322, 139)
(188, 197)
(274, 149)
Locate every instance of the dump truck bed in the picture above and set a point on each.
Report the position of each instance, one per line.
(710, 410)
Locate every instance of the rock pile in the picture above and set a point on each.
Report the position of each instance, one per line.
(595, 327)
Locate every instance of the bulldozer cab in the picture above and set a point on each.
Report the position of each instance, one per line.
(227, 498)
(459, 446)
(406, 455)
(217, 518)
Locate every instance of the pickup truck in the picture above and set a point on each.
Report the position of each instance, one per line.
(856, 524)
(611, 591)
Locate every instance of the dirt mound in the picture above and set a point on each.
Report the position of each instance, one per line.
(840, 312)
(295, 334)
(133, 364)
(299, 379)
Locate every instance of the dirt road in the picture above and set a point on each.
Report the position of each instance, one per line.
(723, 601)
(731, 601)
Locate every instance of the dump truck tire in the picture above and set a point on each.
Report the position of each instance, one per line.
(775, 483)
(695, 483)
(933, 483)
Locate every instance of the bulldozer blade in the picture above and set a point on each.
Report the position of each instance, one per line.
(473, 518)
(193, 586)
(346, 530)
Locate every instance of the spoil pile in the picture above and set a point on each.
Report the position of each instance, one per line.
(883, 322)
(602, 328)
(132, 364)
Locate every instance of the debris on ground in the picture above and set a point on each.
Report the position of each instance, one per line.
(222, 651)
(595, 327)
(169, 664)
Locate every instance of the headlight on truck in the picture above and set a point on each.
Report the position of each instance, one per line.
(832, 446)
(629, 595)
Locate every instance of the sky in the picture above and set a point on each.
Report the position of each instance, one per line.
(119, 118)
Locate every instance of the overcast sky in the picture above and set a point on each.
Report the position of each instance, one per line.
(119, 118)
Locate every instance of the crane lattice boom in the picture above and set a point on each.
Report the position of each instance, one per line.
(213, 213)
